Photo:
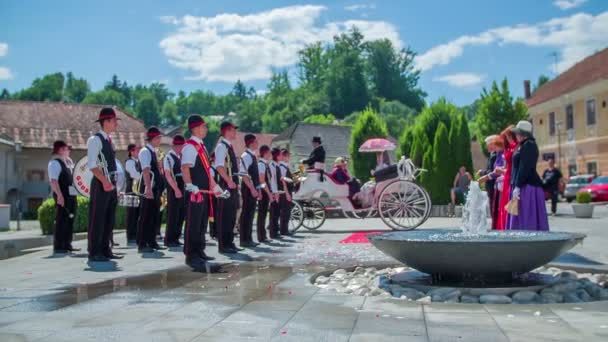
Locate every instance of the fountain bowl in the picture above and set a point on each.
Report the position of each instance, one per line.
(445, 253)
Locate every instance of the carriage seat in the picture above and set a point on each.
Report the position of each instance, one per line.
(327, 176)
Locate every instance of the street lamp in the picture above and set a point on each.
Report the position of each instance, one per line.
(18, 149)
(558, 125)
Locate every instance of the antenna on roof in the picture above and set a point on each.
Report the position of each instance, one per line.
(555, 55)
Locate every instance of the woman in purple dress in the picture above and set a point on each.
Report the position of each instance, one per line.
(526, 184)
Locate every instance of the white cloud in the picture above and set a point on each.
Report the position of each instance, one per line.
(463, 79)
(568, 4)
(360, 7)
(3, 49)
(575, 37)
(5, 74)
(228, 47)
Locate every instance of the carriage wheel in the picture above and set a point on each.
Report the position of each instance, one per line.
(296, 218)
(404, 205)
(314, 214)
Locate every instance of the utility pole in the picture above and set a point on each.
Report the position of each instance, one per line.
(559, 144)
(554, 55)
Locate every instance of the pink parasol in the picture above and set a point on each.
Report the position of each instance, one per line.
(377, 145)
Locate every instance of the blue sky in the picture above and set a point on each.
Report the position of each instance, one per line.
(461, 45)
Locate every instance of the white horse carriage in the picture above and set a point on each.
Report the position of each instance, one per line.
(400, 202)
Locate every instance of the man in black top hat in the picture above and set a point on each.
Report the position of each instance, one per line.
(198, 185)
(150, 187)
(250, 190)
(316, 159)
(132, 173)
(175, 192)
(64, 193)
(227, 169)
(101, 160)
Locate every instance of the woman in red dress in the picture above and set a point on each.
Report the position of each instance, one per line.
(510, 144)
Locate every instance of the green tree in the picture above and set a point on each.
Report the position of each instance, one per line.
(213, 133)
(248, 113)
(426, 178)
(441, 172)
(397, 116)
(312, 66)
(497, 110)
(460, 142)
(405, 142)
(6, 95)
(542, 79)
(420, 143)
(169, 115)
(441, 111)
(47, 88)
(76, 89)
(239, 91)
(147, 110)
(369, 125)
(106, 97)
(321, 119)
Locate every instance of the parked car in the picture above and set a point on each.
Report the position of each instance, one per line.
(598, 189)
(575, 183)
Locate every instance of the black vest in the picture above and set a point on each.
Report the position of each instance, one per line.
(65, 180)
(230, 164)
(198, 174)
(108, 153)
(158, 180)
(252, 170)
(177, 170)
(277, 171)
(267, 174)
(129, 179)
(288, 175)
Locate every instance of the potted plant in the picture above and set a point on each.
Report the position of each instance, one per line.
(583, 207)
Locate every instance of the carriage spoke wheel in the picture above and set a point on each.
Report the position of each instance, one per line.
(314, 214)
(404, 205)
(296, 218)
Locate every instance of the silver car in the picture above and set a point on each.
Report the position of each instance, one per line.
(575, 184)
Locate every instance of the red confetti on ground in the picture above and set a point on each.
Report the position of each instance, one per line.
(359, 237)
(283, 332)
(289, 292)
(270, 286)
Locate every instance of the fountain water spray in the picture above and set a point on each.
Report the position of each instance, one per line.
(475, 211)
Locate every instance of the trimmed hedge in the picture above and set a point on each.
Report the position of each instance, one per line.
(46, 216)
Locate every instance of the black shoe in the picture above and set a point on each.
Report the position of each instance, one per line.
(227, 250)
(173, 244)
(207, 267)
(114, 256)
(61, 251)
(158, 247)
(206, 257)
(72, 249)
(238, 249)
(249, 244)
(194, 261)
(132, 242)
(145, 250)
(98, 258)
(115, 244)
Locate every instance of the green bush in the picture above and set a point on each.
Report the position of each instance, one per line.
(46, 216)
(369, 125)
(583, 197)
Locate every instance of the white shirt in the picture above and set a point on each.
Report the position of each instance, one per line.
(145, 157)
(94, 146)
(273, 176)
(246, 161)
(284, 168)
(131, 168)
(221, 151)
(169, 162)
(189, 153)
(262, 165)
(54, 169)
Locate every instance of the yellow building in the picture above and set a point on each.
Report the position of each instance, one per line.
(570, 117)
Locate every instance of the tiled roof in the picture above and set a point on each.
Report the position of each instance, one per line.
(38, 124)
(589, 70)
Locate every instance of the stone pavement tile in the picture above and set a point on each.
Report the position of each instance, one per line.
(138, 314)
(537, 325)
(339, 299)
(324, 315)
(7, 302)
(590, 322)
(7, 336)
(228, 330)
(455, 326)
(292, 332)
(13, 317)
(265, 317)
(118, 332)
(454, 307)
(372, 326)
(393, 306)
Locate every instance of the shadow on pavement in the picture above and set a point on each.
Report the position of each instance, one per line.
(106, 266)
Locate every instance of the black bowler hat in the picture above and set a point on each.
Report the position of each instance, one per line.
(195, 121)
(249, 139)
(226, 125)
(316, 140)
(58, 145)
(179, 140)
(131, 147)
(284, 151)
(107, 113)
(275, 152)
(153, 132)
(264, 149)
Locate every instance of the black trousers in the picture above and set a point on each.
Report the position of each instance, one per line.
(64, 225)
(148, 221)
(132, 218)
(212, 224)
(176, 208)
(554, 199)
(262, 213)
(275, 213)
(225, 218)
(102, 210)
(284, 214)
(247, 214)
(197, 218)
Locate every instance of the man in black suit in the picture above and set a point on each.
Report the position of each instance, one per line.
(316, 159)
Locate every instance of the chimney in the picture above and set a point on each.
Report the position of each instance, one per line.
(527, 92)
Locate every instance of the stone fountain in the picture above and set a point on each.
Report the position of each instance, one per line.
(474, 254)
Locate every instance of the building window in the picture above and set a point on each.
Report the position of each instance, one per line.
(592, 168)
(590, 112)
(35, 175)
(552, 124)
(569, 117)
(572, 169)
